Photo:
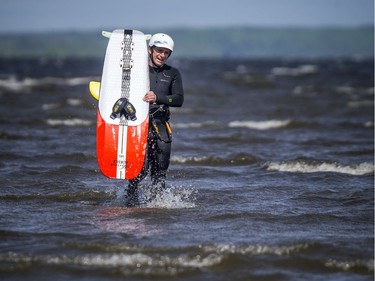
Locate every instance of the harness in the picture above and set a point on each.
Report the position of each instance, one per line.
(158, 117)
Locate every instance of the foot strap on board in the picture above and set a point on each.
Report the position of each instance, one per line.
(123, 107)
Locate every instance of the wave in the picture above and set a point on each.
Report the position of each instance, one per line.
(359, 104)
(254, 125)
(147, 261)
(15, 85)
(129, 263)
(83, 196)
(356, 94)
(11, 136)
(304, 167)
(257, 125)
(351, 91)
(306, 69)
(194, 125)
(74, 102)
(273, 124)
(156, 260)
(237, 159)
(256, 249)
(353, 265)
(69, 122)
(260, 125)
(70, 101)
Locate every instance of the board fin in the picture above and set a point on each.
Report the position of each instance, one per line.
(106, 34)
(94, 87)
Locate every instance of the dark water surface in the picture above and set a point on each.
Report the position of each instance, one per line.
(271, 178)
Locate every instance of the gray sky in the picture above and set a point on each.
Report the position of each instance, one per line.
(48, 15)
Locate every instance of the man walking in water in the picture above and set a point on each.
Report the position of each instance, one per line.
(166, 91)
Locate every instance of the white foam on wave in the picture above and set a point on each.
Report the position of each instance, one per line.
(76, 81)
(350, 265)
(70, 101)
(13, 84)
(351, 91)
(297, 71)
(183, 160)
(188, 125)
(50, 106)
(129, 262)
(69, 122)
(303, 167)
(141, 262)
(256, 125)
(74, 102)
(260, 125)
(193, 125)
(361, 103)
(154, 262)
(255, 249)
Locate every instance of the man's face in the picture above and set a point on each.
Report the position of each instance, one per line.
(159, 55)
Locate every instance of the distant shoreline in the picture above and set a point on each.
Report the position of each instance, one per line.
(228, 42)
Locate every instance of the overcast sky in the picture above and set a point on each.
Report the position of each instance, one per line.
(48, 15)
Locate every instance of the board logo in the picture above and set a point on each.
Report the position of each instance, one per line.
(119, 163)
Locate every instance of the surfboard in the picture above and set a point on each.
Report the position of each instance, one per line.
(122, 115)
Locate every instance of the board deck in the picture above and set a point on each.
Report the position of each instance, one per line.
(121, 142)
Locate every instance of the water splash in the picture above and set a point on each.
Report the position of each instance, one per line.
(169, 198)
(172, 197)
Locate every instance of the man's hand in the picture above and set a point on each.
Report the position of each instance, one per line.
(150, 97)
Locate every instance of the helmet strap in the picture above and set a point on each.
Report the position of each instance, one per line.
(151, 58)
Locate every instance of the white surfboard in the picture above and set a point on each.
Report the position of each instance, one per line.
(122, 141)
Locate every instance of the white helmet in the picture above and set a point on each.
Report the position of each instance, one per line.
(161, 40)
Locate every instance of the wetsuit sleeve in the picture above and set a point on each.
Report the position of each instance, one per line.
(176, 96)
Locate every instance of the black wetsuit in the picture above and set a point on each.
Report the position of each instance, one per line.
(166, 83)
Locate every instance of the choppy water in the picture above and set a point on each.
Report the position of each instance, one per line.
(271, 178)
